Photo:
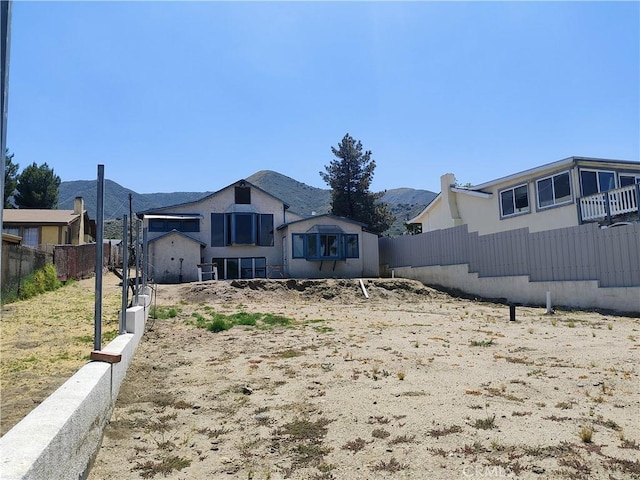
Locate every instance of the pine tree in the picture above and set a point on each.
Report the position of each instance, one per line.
(349, 175)
(37, 187)
(10, 178)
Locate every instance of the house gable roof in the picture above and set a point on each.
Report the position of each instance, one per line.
(176, 232)
(326, 215)
(241, 182)
(38, 216)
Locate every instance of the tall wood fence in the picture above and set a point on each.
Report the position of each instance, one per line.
(76, 261)
(611, 256)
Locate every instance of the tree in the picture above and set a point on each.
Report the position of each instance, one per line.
(37, 187)
(349, 175)
(10, 178)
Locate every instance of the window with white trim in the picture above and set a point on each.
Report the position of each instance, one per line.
(596, 181)
(514, 201)
(627, 179)
(554, 190)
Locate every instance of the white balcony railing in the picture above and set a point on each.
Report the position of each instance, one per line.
(609, 204)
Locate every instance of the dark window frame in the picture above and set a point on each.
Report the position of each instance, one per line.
(514, 201)
(325, 246)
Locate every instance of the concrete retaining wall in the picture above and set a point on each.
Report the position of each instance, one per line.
(586, 294)
(59, 439)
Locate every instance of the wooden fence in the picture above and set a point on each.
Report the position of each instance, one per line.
(586, 252)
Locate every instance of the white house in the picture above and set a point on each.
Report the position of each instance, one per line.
(565, 193)
(248, 233)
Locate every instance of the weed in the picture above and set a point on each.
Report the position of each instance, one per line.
(380, 433)
(564, 405)
(401, 375)
(290, 353)
(631, 444)
(391, 466)
(586, 434)
(355, 445)
(402, 439)
(167, 465)
(445, 431)
(609, 326)
(486, 423)
(481, 343)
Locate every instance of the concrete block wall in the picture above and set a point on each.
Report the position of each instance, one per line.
(586, 294)
(59, 439)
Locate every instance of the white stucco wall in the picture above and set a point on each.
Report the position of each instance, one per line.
(165, 254)
(223, 202)
(518, 289)
(365, 265)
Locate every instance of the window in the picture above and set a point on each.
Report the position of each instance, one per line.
(554, 190)
(30, 237)
(246, 267)
(596, 181)
(325, 246)
(514, 201)
(181, 225)
(626, 180)
(241, 229)
(243, 195)
(351, 246)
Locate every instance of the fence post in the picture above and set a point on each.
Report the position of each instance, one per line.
(125, 280)
(607, 207)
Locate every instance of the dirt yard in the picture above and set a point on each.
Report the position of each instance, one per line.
(316, 382)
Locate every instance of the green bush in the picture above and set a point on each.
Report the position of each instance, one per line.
(43, 280)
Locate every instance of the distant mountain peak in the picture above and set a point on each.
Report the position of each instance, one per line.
(302, 198)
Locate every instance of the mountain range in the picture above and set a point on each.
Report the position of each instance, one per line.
(303, 199)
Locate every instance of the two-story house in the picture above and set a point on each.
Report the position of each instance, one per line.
(248, 233)
(561, 194)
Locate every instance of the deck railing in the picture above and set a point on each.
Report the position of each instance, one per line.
(609, 204)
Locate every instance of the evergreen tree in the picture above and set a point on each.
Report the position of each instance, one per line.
(37, 187)
(10, 178)
(349, 175)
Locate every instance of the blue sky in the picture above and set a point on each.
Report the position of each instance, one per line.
(191, 96)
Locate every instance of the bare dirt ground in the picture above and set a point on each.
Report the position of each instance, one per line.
(45, 340)
(409, 384)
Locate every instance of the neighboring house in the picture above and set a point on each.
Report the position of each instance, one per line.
(39, 228)
(248, 233)
(565, 193)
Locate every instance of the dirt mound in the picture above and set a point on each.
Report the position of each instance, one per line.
(340, 290)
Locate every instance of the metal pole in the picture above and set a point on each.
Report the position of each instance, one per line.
(137, 260)
(97, 318)
(145, 262)
(5, 41)
(125, 279)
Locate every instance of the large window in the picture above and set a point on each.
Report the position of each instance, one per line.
(247, 267)
(241, 229)
(325, 246)
(554, 190)
(596, 181)
(169, 224)
(514, 201)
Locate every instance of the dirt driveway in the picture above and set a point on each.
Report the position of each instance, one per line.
(314, 381)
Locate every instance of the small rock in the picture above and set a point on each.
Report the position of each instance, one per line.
(581, 385)
(247, 390)
(537, 469)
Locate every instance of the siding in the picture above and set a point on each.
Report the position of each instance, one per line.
(585, 252)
